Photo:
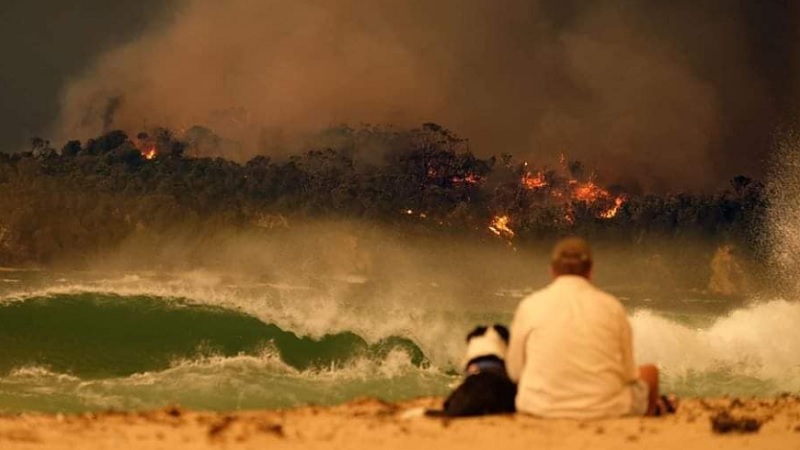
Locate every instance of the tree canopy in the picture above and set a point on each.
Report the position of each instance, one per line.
(93, 194)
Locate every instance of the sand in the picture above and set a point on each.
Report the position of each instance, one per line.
(373, 424)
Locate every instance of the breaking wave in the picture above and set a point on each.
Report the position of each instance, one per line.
(94, 336)
(753, 350)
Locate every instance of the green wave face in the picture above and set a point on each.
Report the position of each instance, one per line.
(97, 336)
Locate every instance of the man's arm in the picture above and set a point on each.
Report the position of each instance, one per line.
(515, 355)
(629, 369)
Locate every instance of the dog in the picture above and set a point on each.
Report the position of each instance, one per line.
(486, 388)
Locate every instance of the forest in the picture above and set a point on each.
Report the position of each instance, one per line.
(89, 196)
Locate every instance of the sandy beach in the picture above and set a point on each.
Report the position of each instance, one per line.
(370, 423)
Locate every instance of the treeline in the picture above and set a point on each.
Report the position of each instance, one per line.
(89, 196)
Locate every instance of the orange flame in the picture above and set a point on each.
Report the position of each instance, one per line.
(469, 178)
(574, 190)
(610, 213)
(533, 181)
(591, 193)
(588, 192)
(150, 153)
(499, 226)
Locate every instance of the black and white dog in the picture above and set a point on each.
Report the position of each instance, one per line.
(486, 388)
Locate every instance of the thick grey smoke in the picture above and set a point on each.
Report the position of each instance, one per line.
(663, 94)
(45, 42)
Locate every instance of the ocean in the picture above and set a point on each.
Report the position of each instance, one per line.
(89, 341)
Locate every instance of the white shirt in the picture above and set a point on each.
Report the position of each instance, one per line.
(571, 352)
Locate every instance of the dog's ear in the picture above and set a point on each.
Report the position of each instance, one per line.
(502, 331)
(478, 331)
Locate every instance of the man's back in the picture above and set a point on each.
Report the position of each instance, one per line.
(571, 352)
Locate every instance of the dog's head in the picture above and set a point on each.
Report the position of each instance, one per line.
(487, 341)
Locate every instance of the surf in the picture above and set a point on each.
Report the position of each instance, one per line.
(93, 336)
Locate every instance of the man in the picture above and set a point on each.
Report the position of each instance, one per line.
(571, 347)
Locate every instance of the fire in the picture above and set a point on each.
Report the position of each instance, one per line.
(590, 193)
(569, 190)
(612, 212)
(499, 226)
(534, 181)
(150, 153)
(410, 212)
(469, 178)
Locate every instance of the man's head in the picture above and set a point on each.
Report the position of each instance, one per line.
(571, 256)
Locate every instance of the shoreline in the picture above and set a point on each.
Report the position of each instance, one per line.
(369, 423)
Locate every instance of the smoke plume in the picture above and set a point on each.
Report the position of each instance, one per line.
(661, 94)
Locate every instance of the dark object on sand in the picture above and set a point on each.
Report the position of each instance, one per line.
(486, 388)
(723, 423)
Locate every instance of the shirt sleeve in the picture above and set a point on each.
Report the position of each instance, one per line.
(515, 355)
(630, 370)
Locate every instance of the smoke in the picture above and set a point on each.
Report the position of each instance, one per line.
(653, 93)
(783, 233)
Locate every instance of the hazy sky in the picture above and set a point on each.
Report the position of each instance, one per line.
(45, 43)
(664, 93)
